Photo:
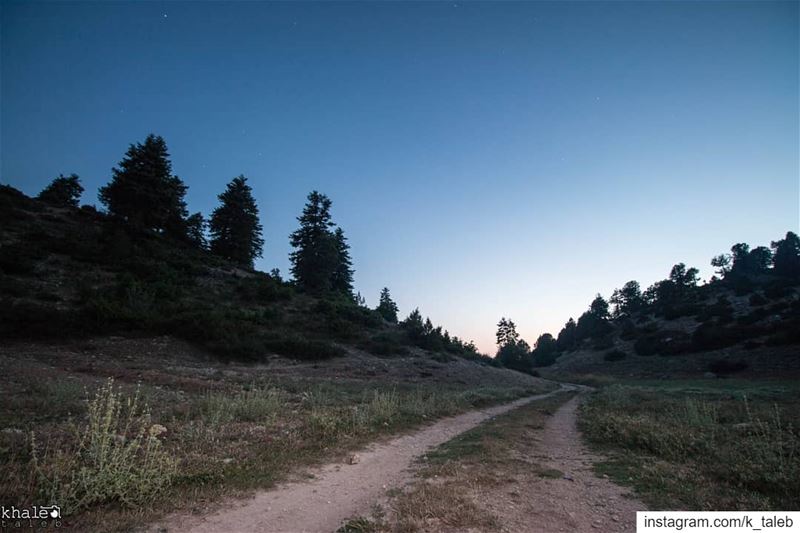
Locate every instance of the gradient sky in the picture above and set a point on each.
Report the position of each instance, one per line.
(484, 159)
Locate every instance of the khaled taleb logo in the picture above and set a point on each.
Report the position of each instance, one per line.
(36, 512)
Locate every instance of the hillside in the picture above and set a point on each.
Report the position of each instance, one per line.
(144, 375)
(74, 272)
(746, 326)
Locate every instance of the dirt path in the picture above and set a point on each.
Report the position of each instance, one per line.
(579, 501)
(338, 491)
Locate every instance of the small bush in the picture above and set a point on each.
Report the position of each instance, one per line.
(299, 348)
(254, 405)
(116, 456)
(724, 366)
(614, 355)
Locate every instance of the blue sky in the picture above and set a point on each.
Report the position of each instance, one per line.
(484, 159)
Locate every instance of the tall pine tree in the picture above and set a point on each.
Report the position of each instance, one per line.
(144, 193)
(386, 306)
(342, 276)
(234, 225)
(315, 257)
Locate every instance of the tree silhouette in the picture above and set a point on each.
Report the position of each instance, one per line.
(144, 193)
(234, 226)
(413, 325)
(722, 263)
(315, 257)
(196, 231)
(506, 332)
(386, 306)
(545, 351)
(627, 300)
(568, 336)
(786, 257)
(342, 275)
(63, 191)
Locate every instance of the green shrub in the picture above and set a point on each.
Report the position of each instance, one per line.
(614, 355)
(300, 348)
(115, 457)
(253, 405)
(725, 366)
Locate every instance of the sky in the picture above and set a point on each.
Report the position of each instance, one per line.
(484, 159)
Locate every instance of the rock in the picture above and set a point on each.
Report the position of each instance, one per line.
(568, 477)
(709, 375)
(354, 459)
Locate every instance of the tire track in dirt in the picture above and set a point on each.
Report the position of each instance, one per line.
(338, 491)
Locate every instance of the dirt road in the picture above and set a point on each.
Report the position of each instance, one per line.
(338, 491)
(579, 502)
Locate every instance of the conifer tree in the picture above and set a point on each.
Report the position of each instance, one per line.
(315, 257)
(386, 306)
(144, 193)
(342, 275)
(196, 231)
(63, 191)
(234, 226)
(786, 257)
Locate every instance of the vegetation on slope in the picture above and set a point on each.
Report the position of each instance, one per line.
(753, 302)
(144, 266)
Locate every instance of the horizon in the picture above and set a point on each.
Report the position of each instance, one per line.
(492, 160)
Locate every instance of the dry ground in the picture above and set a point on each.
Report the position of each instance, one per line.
(231, 429)
(526, 471)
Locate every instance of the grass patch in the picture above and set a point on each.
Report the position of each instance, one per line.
(694, 446)
(101, 463)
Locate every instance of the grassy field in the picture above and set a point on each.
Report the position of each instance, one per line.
(721, 444)
(454, 479)
(117, 440)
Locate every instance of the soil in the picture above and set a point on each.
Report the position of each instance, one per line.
(335, 492)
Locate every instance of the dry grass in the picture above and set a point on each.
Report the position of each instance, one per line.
(454, 480)
(700, 449)
(227, 432)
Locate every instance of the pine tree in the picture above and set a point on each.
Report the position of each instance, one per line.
(144, 193)
(315, 257)
(196, 231)
(342, 275)
(63, 191)
(234, 225)
(386, 306)
(413, 325)
(506, 332)
(786, 259)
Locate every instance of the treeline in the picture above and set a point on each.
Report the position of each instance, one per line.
(743, 270)
(144, 199)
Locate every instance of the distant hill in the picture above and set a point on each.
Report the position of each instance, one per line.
(744, 322)
(70, 272)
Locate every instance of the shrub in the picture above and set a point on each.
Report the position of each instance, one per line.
(615, 355)
(253, 405)
(725, 366)
(116, 456)
(299, 348)
(756, 299)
